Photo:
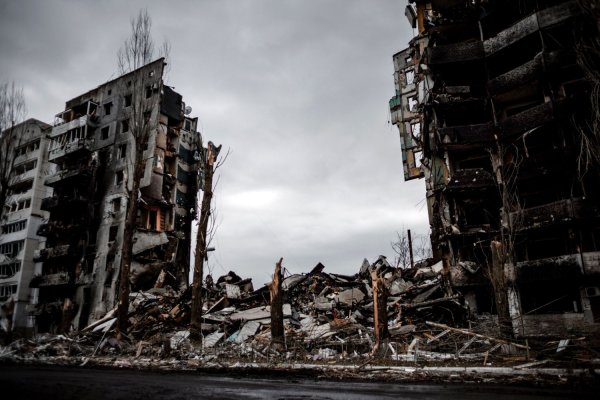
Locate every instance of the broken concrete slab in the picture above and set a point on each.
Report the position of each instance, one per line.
(258, 313)
(143, 241)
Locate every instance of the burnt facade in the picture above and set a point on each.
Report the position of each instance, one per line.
(93, 148)
(496, 105)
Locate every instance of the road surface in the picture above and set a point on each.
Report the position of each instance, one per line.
(30, 382)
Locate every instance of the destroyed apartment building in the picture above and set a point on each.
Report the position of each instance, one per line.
(24, 153)
(497, 108)
(93, 150)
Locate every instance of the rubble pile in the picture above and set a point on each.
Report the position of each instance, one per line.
(328, 318)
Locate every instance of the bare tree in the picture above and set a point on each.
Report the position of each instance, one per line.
(587, 52)
(421, 248)
(401, 247)
(12, 112)
(135, 52)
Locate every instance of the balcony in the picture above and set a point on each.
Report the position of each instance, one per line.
(533, 117)
(71, 148)
(52, 252)
(547, 214)
(74, 203)
(29, 156)
(80, 122)
(61, 278)
(49, 203)
(82, 174)
(20, 179)
(470, 179)
(395, 102)
(55, 228)
(471, 50)
(466, 135)
(530, 25)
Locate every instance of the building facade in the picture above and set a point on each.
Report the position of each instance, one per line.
(94, 149)
(20, 217)
(496, 106)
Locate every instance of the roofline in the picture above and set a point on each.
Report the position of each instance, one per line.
(117, 78)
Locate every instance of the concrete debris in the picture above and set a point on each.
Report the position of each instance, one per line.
(327, 317)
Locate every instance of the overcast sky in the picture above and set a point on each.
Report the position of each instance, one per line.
(297, 91)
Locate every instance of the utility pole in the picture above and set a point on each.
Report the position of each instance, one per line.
(410, 250)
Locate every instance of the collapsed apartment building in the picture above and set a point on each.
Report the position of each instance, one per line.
(24, 148)
(494, 106)
(93, 148)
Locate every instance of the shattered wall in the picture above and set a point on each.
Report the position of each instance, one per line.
(502, 102)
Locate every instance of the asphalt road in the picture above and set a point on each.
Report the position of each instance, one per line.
(25, 382)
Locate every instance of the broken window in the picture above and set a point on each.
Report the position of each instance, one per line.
(552, 297)
(119, 178)
(23, 187)
(11, 249)
(108, 91)
(6, 291)
(418, 155)
(14, 227)
(110, 259)
(152, 215)
(104, 133)
(415, 130)
(123, 150)
(112, 233)
(125, 126)
(25, 167)
(410, 76)
(21, 205)
(412, 104)
(127, 100)
(148, 92)
(116, 205)
(8, 270)
(107, 108)
(151, 73)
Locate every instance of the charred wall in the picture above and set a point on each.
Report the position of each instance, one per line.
(505, 109)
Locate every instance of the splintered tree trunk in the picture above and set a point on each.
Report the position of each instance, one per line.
(67, 316)
(379, 315)
(500, 289)
(201, 243)
(446, 281)
(277, 332)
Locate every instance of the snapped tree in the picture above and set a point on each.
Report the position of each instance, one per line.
(208, 166)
